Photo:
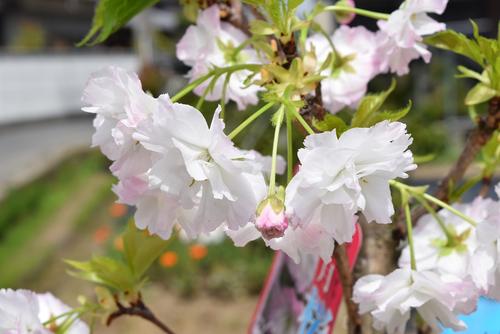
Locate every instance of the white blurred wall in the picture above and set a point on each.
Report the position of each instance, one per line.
(40, 86)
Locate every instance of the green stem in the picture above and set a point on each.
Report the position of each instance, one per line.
(449, 208)
(272, 178)
(217, 71)
(433, 213)
(302, 121)
(289, 148)
(223, 96)
(62, 315)
(409, 230)
(202, 98)
(240, 47)
(430, 198)
(249, 120)
(359, 11)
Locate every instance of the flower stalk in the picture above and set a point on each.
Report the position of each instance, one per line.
(250, 119)
(279, 121)
(358, 11)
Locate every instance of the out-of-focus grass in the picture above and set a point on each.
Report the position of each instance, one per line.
(28, 213)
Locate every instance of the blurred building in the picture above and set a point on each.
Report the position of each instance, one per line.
(42, 73)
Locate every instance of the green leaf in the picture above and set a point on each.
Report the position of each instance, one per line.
(479, 93)
(106, 271)
(468, 73)
(393, 115)
(262, 28)
(456, 42)
(110, 15)
(458, 192)
(292, 4)
(141, 249)
(421, 159)
(329, 123)
(368, 110)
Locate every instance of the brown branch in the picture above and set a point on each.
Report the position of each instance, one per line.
(344, 270)
(475, 142)
(139, 309)
(485, 186)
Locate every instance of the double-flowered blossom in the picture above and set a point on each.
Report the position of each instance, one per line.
(212, 43)
(469, 253)
(199, 180)
(356, 63)
(454, 268)
(169, 162)
(115, 95)
(437, 299)
(401, 35)
(339, 176)
(25, 312)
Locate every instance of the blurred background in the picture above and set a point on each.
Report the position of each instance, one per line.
(55, 197)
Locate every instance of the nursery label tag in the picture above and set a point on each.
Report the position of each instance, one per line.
(303, 298)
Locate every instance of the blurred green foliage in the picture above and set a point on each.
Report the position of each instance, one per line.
(25, 212)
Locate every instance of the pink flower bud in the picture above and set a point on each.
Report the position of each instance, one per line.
(344, 17)
(270, 223)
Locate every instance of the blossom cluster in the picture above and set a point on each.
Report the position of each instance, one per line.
(23, 311)
(177, 170)
(456, 263)
(359, 54)
(337, 178)
(183, 173)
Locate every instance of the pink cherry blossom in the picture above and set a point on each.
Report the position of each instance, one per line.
(402, 34)
(200, 48)
(270, 223)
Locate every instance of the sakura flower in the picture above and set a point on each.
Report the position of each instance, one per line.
(390, 299)
(212, 43)
(339, 176)
(402, 33)
(488, 235)
(116, 97)
(357, 63)
(19, 313)
(199, 179)
(265, 162)
(381, 154)
(25, 312)
(468, 253)
(51, 308)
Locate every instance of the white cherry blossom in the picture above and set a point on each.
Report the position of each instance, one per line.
(340, 176)
(208, 44)
(25, 312)
(19, 312)
(199, 180)
(473, 256)
(51, 307)
(346, 85)
(389, 299)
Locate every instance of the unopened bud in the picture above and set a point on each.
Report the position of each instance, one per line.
(271, 220)
(345, 17)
